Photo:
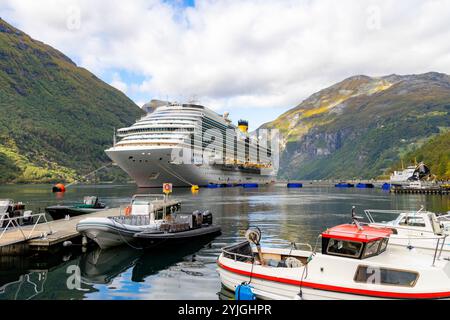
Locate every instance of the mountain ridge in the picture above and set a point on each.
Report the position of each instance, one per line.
(359, 127)
(57, 117)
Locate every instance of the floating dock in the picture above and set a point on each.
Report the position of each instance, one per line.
(52, 234)
(406, 190)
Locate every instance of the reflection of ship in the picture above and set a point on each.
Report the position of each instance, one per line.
(146, 149)
(102, 266)
(411, 173)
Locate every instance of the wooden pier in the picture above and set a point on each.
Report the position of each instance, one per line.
(406, 190)
(50, 235)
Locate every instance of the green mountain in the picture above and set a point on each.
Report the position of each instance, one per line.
(57, 118)
(435, 152)
(362, 126)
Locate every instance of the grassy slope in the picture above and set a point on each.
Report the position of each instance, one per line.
(435, 152)
(56, 118)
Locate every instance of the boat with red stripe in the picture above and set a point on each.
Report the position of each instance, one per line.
(355, 262)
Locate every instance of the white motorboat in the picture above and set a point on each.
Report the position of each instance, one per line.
(139, 216)
(356, 262)
(417, 230)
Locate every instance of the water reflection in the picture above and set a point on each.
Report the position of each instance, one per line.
(102, 266)
(188, 271)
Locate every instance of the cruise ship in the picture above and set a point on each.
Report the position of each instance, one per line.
(189, 144)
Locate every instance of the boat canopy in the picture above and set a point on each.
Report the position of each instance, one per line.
(351, 232)
(355, 241)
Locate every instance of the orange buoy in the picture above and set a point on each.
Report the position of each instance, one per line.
(128, 211)
(59, 188)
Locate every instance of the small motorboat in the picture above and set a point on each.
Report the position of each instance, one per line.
(139, 216)
(185, 226)
(417, 230)
(90, 204)
(355, 262)
(10, 209)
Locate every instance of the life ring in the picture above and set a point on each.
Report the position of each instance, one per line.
(128, 211)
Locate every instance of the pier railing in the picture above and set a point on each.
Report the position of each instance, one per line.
(27, 231)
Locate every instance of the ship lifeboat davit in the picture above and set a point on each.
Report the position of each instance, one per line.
(59, 187)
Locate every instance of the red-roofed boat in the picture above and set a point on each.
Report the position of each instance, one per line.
(355, 262)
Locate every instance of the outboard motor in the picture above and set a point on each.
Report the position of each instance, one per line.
(254, 236)
(195, 215)
(207, 217)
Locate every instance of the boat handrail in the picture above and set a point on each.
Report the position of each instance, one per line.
(368, 212)
(225, 250)
(14, 223)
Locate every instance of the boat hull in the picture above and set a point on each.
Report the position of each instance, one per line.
(150, 167)
(108, 233)
(157, 239)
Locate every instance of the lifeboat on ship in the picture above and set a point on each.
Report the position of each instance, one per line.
(355, 262)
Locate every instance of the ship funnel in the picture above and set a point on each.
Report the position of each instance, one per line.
(243, 125)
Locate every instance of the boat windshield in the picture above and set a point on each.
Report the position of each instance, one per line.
(344, 248)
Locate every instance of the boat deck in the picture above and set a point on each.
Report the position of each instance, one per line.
(41, 239)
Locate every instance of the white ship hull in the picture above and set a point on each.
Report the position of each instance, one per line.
(150, 167)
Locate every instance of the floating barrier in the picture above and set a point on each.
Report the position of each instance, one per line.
(212, 186)
(229, 185)
(386, 186)
(295, 185)
(364, 185)
(250, 185)
(344, 185)
(244, 292)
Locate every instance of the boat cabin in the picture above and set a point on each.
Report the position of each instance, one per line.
(91, 201)
(355, 241)
(419, 221)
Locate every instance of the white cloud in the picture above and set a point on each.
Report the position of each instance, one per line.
(238, 54)
(118, 83)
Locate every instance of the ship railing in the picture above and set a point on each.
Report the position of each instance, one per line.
(26, 230)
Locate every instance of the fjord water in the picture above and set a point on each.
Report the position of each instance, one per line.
(188, 271)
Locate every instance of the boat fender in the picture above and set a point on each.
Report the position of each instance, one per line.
(244, 292)
(128, 211)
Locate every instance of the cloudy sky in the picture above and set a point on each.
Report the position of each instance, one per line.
(255, 59)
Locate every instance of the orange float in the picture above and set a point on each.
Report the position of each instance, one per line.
(59, 187)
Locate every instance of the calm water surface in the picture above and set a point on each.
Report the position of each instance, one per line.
(185, 272)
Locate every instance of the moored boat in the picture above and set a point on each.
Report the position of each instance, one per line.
(416, 230)
(90, 204)
(184, 227)
(356, 262)
(139, 215)
(9, 209)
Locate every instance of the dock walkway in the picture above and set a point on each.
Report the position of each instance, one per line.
(43, 236)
